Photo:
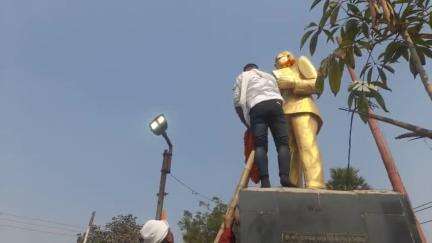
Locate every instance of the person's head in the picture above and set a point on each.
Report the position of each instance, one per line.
(249, 67)
(284, 59)
(156, 231)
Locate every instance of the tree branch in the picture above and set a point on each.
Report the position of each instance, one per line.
(416, 130)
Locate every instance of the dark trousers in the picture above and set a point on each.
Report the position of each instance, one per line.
(264, 115)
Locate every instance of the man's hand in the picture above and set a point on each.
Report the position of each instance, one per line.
(240, 114)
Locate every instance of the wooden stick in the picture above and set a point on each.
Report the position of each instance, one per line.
(243, 183)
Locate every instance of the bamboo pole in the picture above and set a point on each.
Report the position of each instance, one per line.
(243, 183)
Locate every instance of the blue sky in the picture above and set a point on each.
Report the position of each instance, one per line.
(80, 80)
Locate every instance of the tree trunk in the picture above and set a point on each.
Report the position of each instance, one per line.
(417, 63)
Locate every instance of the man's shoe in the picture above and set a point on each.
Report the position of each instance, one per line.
(265, 182)
(285, 182)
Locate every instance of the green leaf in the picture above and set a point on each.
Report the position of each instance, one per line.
(412, 67)
(369, 74)
(351, 99)
(354, 9)
(335, 75)
(311, 24)
(305, 37)
(390, 51)
(357, 51)
(430, 20)
(421, 56)
(405, 54)
(329, 35)
(365, 30)
(382, 75)
(389, 68)
(379, 99)
(363, 71)
(313, 43)
(349, 58)
(325, 7)
(319, 85)
(314, 4)
(363, 106)
(334, 15)
(426, 51)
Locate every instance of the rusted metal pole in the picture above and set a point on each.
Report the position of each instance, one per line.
(387, 158)
(166, 169)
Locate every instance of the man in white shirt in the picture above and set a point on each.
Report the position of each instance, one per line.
(258, 103)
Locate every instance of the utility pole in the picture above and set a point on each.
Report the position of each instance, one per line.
(166, 169)
(90, 224)
(387, 158)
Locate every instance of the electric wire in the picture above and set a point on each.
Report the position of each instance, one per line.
(37, 225)
(427, 221)
(419, 210)
(422, 205)
(41, 220)
(37, 230)
(350, 139)
(193, 191)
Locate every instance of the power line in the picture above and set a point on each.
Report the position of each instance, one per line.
(37, 230)
(41, 220)
(427, 221)
(419, 210)
(424, 204)
(194, 192)
(37, 225)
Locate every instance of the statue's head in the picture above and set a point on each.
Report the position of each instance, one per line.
(284, 59)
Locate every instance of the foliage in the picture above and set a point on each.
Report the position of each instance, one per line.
(202, 226)
(121, 229)
(346, 179)
(378, 33)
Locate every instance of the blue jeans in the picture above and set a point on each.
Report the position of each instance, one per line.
(264, 115)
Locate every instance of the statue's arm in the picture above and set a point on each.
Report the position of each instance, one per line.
(284, 81)
(308, 75)
(305, 87)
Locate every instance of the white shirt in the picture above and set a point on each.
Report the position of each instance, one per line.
(252, 87)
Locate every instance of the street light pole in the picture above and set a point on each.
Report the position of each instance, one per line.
(166, 168)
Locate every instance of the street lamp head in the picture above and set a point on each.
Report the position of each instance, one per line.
(159, 125)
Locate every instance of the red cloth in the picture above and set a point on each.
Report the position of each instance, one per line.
(249, 145)
(227, 236)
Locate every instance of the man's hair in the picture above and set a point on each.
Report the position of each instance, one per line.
(250, 66)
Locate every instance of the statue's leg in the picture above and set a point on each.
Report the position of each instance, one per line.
(305, 127)
(295, 174)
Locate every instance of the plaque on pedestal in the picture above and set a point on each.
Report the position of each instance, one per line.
(324, 216)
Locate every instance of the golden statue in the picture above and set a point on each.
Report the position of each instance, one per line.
(296, 80)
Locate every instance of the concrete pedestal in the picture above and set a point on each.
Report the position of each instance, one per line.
(304, 215)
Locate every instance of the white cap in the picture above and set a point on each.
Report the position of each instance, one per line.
(154, 231)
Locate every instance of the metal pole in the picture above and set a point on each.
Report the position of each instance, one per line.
(90, 224)
(387, 158)
(166, 168)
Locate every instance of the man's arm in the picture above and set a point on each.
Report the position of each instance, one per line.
(240, 114)
(237, 106)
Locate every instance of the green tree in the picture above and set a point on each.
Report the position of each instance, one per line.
(202, 226)
(121, 229)
(346, 179)
(379, 33)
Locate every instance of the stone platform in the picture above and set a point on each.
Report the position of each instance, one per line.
(312, 216)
